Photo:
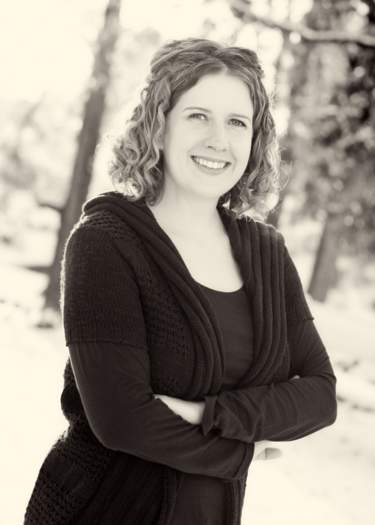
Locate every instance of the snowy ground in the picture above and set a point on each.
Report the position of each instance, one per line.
(325, 478)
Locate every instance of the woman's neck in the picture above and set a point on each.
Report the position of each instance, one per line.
(188, 221)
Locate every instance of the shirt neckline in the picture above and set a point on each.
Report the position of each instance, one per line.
(222, 291)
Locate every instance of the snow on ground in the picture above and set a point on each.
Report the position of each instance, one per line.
(326, 478)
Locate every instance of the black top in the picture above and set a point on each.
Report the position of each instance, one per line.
(201, 499)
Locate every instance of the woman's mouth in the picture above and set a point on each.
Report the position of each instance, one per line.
(213, 166)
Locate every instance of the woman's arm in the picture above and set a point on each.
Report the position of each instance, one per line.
(114, 378)
(279, 412)
(190, 411)
(290, 409)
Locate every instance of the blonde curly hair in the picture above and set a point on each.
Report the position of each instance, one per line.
(137, 165)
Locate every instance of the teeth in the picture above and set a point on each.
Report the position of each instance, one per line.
(214, 165)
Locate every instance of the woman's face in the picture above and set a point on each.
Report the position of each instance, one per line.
(207, 141)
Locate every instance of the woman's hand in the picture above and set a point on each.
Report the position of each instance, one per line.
(263, 450)
(191, 411)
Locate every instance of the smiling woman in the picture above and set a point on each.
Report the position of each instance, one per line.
(214, 101)
(185, 318)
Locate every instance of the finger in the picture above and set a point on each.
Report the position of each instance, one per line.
(261, 455)
(273, 453)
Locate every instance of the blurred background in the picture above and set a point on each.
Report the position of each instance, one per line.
(71, 72)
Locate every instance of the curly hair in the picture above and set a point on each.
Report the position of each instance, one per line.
(137, 164)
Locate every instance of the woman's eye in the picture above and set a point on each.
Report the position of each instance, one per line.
(237, 123)
(233, 121)
(198, 116)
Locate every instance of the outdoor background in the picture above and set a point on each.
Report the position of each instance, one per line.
(71, 70)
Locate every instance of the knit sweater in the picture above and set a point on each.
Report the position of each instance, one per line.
(200, 499)
(124, 282)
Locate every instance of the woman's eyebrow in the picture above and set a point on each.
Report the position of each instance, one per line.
(208, 111)
(241, 116)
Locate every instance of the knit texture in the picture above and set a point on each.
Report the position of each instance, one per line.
(179, 329)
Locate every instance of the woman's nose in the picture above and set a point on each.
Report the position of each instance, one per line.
(217, 138)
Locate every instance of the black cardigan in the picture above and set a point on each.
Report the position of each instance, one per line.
(124, 281)
(201, 499)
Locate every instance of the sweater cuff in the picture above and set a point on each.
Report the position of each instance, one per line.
(208, 418)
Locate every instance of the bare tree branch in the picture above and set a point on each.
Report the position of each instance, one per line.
(306, 33)
(49, 205)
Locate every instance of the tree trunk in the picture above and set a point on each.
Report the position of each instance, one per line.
(324, 275)
(87, 141)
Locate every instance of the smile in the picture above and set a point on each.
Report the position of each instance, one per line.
(210, 164)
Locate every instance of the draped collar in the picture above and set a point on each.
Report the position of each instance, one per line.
(257, 249)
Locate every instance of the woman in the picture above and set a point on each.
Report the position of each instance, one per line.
(189, 336)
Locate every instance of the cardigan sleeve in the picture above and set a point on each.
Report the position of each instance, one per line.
(290, 409)
(111, 365)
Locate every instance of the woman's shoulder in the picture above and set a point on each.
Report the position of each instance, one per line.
(92, 251)
(99, 220)
(100, 235)
(263, 230)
